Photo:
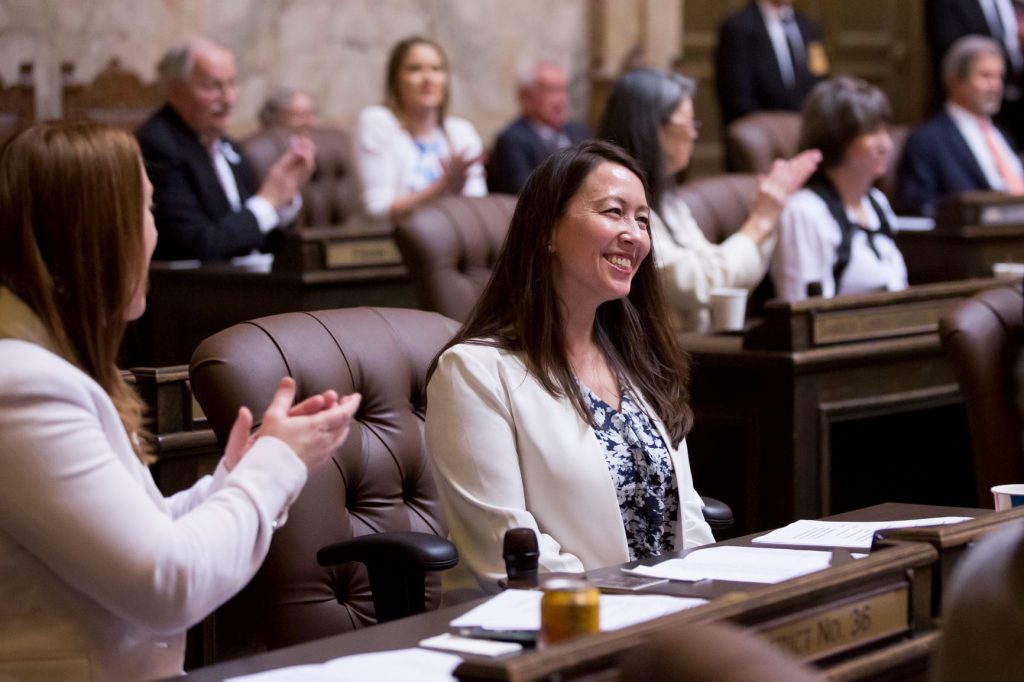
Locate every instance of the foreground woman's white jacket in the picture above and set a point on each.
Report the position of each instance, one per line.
(508, 454)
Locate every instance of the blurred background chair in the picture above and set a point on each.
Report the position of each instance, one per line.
(449, 247)
(331, 196)
(720, 204)
(755, 140)
(379, 481)
(984, 339)
(17, 103)
(115, 96)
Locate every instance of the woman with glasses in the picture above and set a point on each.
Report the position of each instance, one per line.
(650, 114)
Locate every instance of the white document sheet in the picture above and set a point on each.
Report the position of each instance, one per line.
(741, 564)
(408, 665)
(848, 534)
(520, 610)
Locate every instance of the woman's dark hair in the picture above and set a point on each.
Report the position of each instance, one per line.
(519, 310)
(396, 60)
(838, 111)
(640, 103)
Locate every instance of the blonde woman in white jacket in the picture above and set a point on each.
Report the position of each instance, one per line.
(561, 405)
(100, 574)
(410, 150)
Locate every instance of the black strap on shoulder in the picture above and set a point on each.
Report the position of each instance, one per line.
(823, 187)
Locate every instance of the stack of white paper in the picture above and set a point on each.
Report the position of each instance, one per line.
(408, 665)
(741, 564)
(848, 534)
(520, 610)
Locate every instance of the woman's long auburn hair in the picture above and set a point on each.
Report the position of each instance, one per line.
(519, 309)
(71, 244)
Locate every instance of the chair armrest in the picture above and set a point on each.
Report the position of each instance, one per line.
(396, 563)
(717, 513)
(425, 551)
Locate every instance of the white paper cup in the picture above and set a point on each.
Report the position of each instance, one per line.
(728, 308)
(1008, 270)
(1008, 496)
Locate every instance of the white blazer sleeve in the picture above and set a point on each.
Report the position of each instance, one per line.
(379, 159)
(696, 531)
(690, 266)
(69, 498)
(805, 252)
(471, 439)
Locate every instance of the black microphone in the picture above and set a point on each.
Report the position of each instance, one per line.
(521, 553)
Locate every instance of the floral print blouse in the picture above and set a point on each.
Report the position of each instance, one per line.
(641, 469)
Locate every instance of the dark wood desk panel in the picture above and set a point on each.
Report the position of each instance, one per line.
(944, 255)
(764, 438)
(187, 304)
(755, 605)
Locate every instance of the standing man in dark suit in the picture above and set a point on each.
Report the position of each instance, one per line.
(769, 57)
(948, 20)
(208, 204)
(959, 148)
(543, 128)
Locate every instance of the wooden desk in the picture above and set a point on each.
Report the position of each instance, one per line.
(973, 231)
(186, 304)
(842, 404)
(900, 572)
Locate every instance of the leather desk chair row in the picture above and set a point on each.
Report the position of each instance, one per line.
(377, 493)
(332, 194)
(984, 339)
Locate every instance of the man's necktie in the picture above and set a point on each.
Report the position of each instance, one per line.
(1013, 180)
(795, 41)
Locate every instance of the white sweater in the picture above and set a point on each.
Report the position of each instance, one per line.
(386, 157)
(100, 575)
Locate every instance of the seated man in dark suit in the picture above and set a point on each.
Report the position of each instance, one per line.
(948, 20)
(542, 129)
(768, 58)
(959, 148)
(208, 204)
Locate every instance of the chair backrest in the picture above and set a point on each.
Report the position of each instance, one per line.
(379, 480)
(332, 194)
(755, 140)
(888, 182)
(17, 103)
(449, 247)
(116, 96)
(984, 339)
(720, 204)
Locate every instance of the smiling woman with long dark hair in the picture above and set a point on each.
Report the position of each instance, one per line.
(561, 405)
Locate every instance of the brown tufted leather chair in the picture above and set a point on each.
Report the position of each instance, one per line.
(755, 140)
(449, 246)
(379, 480)
(332, 194)
(984, 339)
(720, 203)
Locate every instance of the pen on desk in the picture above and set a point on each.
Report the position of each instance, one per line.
(520, 636)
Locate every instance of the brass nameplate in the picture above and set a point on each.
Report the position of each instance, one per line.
(864, 324)
(1006, 214)
(346, 254)
(834, 628)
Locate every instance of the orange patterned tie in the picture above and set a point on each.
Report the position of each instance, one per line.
(1014, 183)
